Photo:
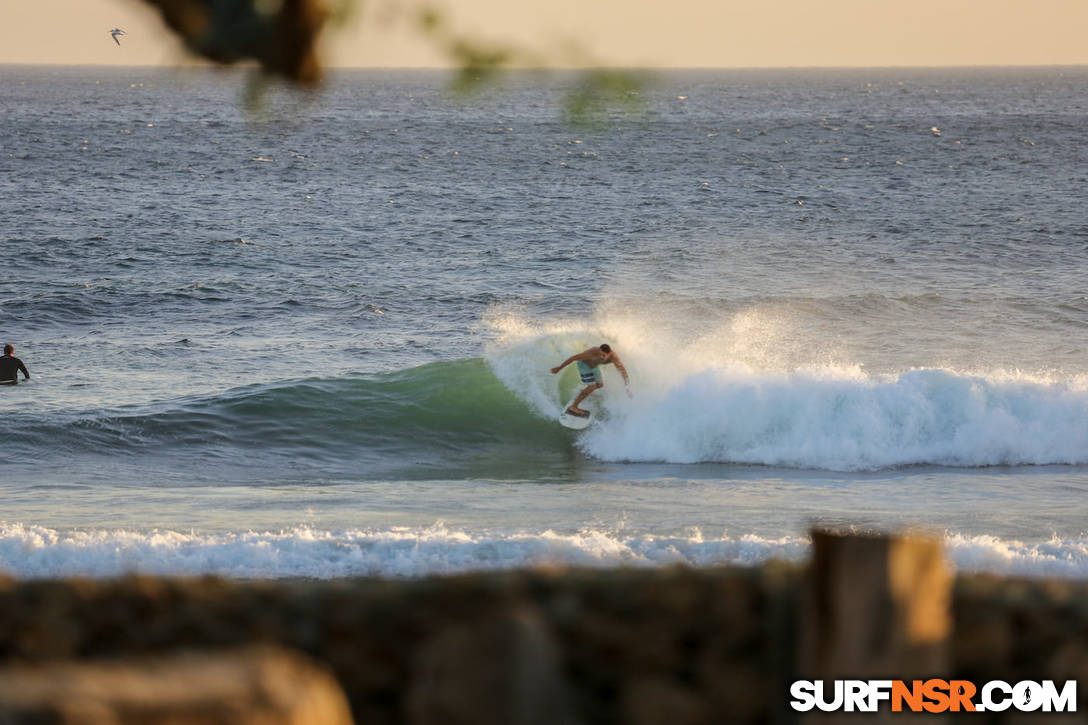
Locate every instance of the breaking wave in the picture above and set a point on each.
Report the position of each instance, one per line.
(29, 551)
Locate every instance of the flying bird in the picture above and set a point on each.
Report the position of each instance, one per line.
(116, 32)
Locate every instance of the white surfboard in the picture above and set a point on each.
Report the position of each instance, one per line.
(573, 421)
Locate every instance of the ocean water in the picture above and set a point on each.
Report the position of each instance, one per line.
(314, 340)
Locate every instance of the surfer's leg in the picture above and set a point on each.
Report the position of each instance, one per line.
(573, 407)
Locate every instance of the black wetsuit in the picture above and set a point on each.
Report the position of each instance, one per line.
(9, 368)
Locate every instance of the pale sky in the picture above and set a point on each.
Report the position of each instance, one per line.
(642, 33)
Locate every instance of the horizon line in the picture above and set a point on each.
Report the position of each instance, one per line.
(202, 65)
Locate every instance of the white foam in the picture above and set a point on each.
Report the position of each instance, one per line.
(1053, 557)
(30, 552)
(830, 420)
(723, 400)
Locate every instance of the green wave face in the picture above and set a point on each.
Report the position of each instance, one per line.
(446, 418)
(436, 405)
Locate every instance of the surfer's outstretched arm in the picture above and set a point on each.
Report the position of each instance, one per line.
(623, 371)
(568, 361)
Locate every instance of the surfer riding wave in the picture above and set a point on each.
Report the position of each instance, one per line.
(589, 363)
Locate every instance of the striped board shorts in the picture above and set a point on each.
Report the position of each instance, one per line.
(590, 376)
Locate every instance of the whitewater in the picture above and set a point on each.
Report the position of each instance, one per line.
(699, 404)
(36, 552)
(318, 343)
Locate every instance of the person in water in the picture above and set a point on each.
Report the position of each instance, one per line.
(589, 363)
(10, 366)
